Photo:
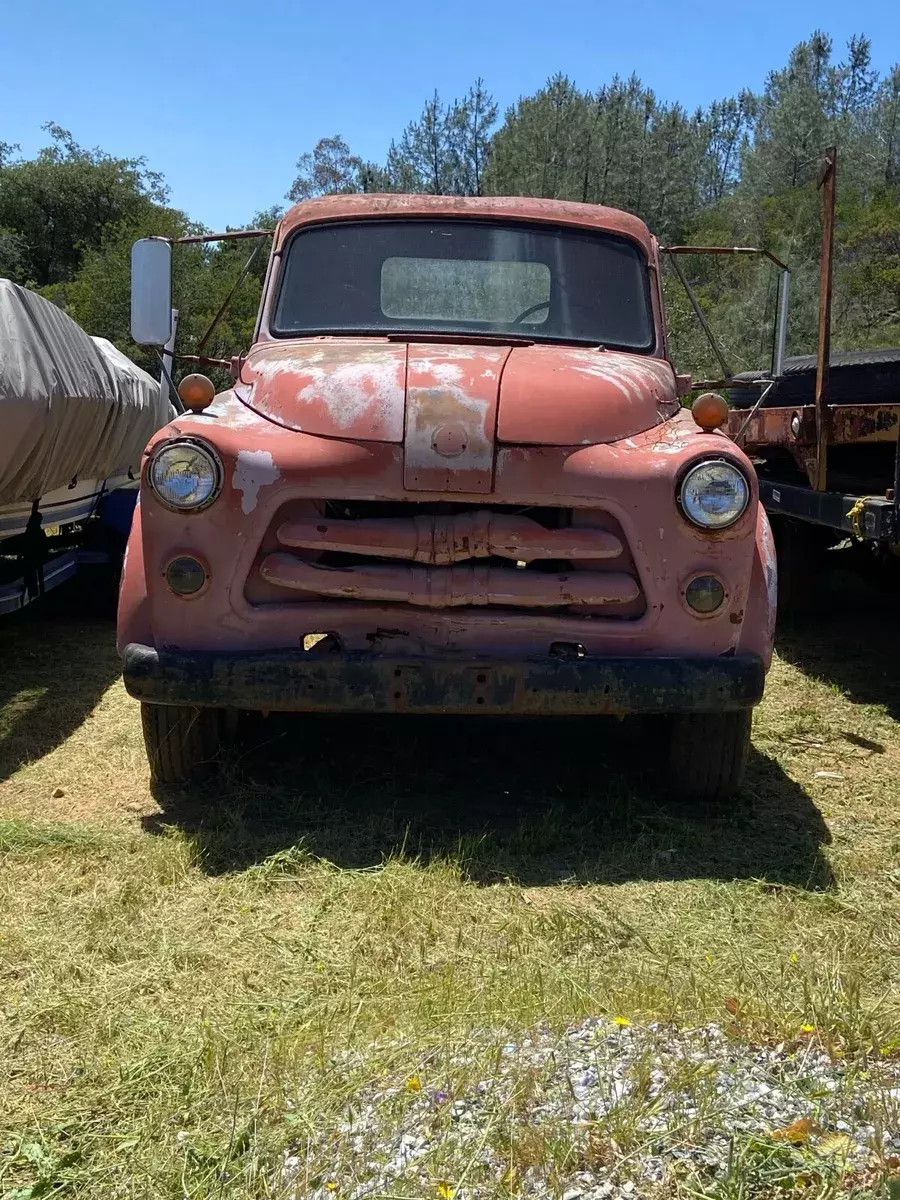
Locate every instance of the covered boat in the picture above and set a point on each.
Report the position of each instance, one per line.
(75, 413)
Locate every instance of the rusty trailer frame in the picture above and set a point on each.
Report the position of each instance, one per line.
(797, 430)
(808, 431)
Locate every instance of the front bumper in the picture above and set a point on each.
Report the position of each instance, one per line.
(298, 681)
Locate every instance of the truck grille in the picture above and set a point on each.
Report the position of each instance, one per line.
(453, 556)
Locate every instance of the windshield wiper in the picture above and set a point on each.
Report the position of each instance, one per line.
(501, 339)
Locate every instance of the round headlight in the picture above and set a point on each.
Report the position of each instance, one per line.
(185, 475)
(714, 494)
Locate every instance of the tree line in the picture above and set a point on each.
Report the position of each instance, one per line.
(740, 171)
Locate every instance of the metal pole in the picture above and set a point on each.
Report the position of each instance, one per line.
(781, 335)
(827, 173)
(166, 384)
(168, 353)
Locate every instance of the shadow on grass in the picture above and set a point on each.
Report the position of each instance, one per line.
(56, 661)
(858, 651)
(536, 802)
(851, 638)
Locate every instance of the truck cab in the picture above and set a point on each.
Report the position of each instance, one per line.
(454, 474)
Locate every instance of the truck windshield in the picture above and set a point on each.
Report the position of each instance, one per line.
(459, 276)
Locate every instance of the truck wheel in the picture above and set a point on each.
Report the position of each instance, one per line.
(707, 754)
(181, 743)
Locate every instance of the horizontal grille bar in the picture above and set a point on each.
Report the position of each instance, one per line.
(451, 586)
(438, 540)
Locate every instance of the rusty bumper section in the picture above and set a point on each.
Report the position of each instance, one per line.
(296, 681)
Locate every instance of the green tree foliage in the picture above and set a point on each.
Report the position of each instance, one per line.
(62, 203)
(773, 201)
(330, 169)
(203, 277)
(68, 219)
(740, 171)
(445, 152)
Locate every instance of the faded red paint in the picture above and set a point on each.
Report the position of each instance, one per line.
(562, 396)
(516, 208)
(364, 479)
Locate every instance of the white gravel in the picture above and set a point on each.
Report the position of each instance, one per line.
(622, 1110)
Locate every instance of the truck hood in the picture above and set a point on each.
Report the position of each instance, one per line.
(563, 396)
(450, 404)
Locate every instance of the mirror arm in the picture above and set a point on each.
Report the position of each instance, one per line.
(204, 361)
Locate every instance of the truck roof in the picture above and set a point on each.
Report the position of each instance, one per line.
(517, 208)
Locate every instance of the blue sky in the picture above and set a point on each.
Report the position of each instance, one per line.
(222, 97)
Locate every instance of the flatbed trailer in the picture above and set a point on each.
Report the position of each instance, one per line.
(861, 501)
(822, 432)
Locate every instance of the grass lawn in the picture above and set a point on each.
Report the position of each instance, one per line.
(359, 911)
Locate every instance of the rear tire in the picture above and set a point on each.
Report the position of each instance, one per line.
(856, 377)
(707, 754)
(800, 548)
(182, 743)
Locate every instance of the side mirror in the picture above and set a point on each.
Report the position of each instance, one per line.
(151, 291)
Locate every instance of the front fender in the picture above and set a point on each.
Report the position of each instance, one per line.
(758, 626)
(134, 624)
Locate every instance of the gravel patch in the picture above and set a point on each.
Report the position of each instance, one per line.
(605, 1110)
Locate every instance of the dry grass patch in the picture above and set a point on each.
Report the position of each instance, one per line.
(187, 994)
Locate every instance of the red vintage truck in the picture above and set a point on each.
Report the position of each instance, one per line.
(453, 475)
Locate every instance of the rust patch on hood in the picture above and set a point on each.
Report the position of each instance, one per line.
(564, 396)
(352, 389)
(451, 417)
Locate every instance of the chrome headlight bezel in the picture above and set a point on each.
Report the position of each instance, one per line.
(684, 505)
(204, 450)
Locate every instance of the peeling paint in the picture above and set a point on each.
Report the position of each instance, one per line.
(352, 390)
(270, 365)
(255, 469)
(230, 410)
(632, 377)
(449, 408)
(769, 565)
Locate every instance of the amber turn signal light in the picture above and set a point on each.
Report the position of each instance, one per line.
(196, 392)
(710, 411)
(185, 576)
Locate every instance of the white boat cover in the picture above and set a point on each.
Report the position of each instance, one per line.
(71, 406)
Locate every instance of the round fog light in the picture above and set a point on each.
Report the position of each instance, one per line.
(704, 594)
(185, 576)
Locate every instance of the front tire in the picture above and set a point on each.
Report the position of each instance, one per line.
(182, 743)
(707, 754)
